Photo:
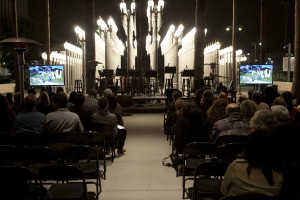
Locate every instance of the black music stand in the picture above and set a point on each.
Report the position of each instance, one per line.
(108, 73)
(186, 86)
(151, 74)
(169, 81)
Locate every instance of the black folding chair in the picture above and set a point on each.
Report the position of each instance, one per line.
(109, 133)
(96, 140)
(231, 151)
(69, 182)
(250, 196)
(208, 179)
(58, 141)
(29, 139)
(193, 155)
(86, 159)
(18, 183)
(10, 155)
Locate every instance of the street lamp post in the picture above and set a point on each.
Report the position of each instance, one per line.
(154, 13)
(80, 35)
(103, 28)
(248, 55)
(128, 22)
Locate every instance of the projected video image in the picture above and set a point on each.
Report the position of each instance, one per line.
(47, 75)
(256, 74)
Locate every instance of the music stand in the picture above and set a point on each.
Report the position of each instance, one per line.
(151, 73)
(121, 72)
(108, 73)
(133, 72)
(170, 70)
(169, 81)
(187, 86)
(188, 73)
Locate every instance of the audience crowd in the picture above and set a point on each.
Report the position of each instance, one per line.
(269, 125)
(266, 124)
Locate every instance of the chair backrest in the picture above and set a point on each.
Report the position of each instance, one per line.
(231, 151)
(29, 139)
(212, 168)
(15, 182)
(231, 139)
(107, 130)
(200, 149)
(61, 173)
(39, 154)
(6, 139)
(250, 196)
(77, 153)
(10, 154)
(90, 138)
(58, 141)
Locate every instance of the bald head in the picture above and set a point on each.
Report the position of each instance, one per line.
(231, 108)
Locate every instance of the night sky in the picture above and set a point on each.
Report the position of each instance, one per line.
(66, 14)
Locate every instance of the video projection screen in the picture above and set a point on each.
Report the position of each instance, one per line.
(256, 74)
(47, 75)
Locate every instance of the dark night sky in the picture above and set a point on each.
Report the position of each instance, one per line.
(65, 14)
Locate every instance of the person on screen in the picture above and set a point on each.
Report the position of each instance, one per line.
(43, 76)
(49, 76)
(252, 74)
(258, 75)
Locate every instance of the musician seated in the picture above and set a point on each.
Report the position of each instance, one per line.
(221, 88)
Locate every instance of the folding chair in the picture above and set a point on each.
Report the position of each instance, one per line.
(10, 155)
(208, 179)
(36, 157)
(193, 155)
(18, 183)
(109, 133)
(65, 186)
(86, 159)
(58, 141)
(226, 139)
(250, 196)
(6, 139)
(29, 139)
(231, 151)
(96, 140)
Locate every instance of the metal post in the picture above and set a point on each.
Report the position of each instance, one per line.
(289, 62)
(48, 32)
(83, 67)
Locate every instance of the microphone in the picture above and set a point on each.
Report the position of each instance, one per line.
(186, 67)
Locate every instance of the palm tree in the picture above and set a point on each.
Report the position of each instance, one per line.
(296, 77)
(199, 42)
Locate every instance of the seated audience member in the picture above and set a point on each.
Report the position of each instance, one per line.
(269, 96)
(198, 95)
(84, 114)
(279, 101)
(105, 117)
(43, 104)
(17, 106)
(221, 88)
(178, 110)
(250, 93)
(59, 90)
(281, 114)
(275, 90)
(115, 107)
(62, 120)
(171, 108)
(263, 120)
(216, 112)
(7, 116)
(91, 102)
(233, 125)
(258, 172)
(242, 98)
(223, 95)
(190, 127)
(206, 101)
(297, 117)
(71, 99)
(248, 109)
(289, 101)
(29, 120)
(31, 90)
(9, 97)
(256, 97)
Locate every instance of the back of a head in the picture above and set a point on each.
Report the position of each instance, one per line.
(242, 98)
(232, 108)
(112, 100)
(102, 103)
(250, 93)
(207, 97)
(107, 92)
(179, 104)
(281, 113)
(9, 97)
(61, 99)
(44, 98)
(289, 99)
(72, 96)
(198, 95)
(248, 109)
(263, 120)
(176, 94)
(31, 90)
(279, 101)
(93, 92)
(223, 95)
(190, 108)
(269, 91)
(30, 102)
(59, 90)
(79, 99)
(256, 96)
(17, 97)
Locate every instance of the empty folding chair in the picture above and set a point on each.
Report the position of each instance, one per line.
(66, 182)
